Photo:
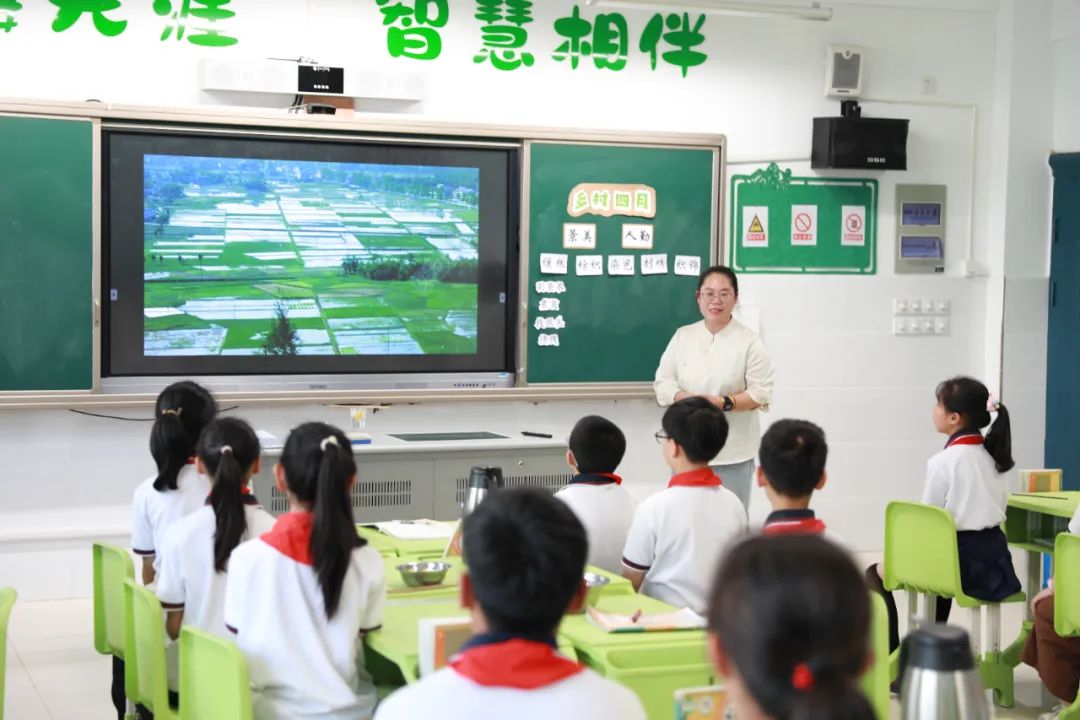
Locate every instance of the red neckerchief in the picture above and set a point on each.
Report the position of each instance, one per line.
(291, 536)
(705, 477)
(967, 438)
(793, 523)
(596, 479)
(517, 663)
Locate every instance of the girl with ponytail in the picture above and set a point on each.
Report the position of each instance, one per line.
(789, 623)
(968, 480)
(181, 412)
(299, 599)
(195, 551)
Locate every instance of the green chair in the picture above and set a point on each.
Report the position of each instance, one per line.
(145, 677)
(214, 683)
(7, 601)
(1067, 598)
(921, 556)
(112, 568)
(875, 681)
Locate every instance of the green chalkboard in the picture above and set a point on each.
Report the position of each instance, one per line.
(46, 254)
(615, 326)
(785, 224)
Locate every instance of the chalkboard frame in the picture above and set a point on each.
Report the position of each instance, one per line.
(716, 248)
(105, 394)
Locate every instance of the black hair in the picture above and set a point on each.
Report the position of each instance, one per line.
(719, 270)
(969, 398)
(526, 554)
(228, 448)
(318, 463)
(785, 604)
(182, 411)
(698, 426)
(793, 454)
(598, 445)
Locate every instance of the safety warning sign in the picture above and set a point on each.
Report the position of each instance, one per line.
(755, 226)
(804, 225)
(854, 227)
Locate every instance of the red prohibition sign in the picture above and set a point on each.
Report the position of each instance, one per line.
(803, 222)
(854, 223)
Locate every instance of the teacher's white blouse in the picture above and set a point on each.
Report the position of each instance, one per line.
(727, 363)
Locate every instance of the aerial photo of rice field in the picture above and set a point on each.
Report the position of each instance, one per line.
(275, 257)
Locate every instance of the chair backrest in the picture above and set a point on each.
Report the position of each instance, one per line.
(7, 601)
(1067, 585)
(214, 683)
(145, 677)
(112, 568)
(920, 550)
(875, 681)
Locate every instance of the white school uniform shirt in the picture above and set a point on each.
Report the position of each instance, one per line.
(732, 361)
(187, 580)
(450, 695)
(963, 479)
(303, 665)
(153, 512)
(606, 510)
(679, 535)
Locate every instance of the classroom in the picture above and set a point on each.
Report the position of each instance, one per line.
(410, 242)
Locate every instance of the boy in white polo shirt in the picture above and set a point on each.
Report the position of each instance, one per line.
(596, 494)
(679, 534)
(525, 553)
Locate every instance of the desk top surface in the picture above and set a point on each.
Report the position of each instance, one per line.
(386, 443)
(1059, 504)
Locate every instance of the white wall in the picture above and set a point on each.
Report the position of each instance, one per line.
(837, 361)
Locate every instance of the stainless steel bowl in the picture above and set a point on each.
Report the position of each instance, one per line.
(417, 574)
(596, 584)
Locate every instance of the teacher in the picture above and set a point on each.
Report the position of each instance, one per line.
(725, 362)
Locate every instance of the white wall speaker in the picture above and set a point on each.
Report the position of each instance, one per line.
(844, 71)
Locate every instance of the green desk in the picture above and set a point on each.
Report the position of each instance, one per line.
(1032, 523)
(388, 546)
(653, 665)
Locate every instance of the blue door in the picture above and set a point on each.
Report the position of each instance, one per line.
(1063, 334)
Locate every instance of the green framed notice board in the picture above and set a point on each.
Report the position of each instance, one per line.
(785, 224)
(617, 235)
(47, 245)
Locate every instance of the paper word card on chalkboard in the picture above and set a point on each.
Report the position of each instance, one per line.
(654, 265)
(687, 265)
(553, 264)
(590, 265)
(620, 265)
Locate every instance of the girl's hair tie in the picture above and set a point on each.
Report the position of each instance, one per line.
(802, 677)
(993, 404)
(329, 440)
(172, 411)
(226, 449)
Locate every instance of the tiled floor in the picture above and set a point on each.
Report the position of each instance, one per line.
(53, 671)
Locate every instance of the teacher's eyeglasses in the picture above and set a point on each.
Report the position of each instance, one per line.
(661, 436)
(709, 295)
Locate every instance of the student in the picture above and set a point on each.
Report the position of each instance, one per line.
(182, 411)
(196, 550)
(596, 494)
(525, 553)
(789, 623)
(679, 534)
(792, 467)
(967, 479)
(299, 597)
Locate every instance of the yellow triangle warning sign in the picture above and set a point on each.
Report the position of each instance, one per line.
(755, 226)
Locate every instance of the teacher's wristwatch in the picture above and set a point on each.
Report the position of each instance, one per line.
(729, 403)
